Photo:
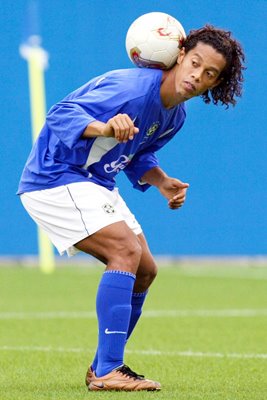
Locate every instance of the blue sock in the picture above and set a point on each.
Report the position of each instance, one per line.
(113, 306)
(137, 304)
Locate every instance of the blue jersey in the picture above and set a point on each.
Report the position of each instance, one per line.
(61, 156)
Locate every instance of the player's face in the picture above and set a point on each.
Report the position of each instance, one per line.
(198, 70)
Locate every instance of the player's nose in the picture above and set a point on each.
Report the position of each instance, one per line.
(196, 75)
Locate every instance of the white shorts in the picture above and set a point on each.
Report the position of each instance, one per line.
(73, 212)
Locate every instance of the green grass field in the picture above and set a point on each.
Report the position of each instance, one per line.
(203, 334)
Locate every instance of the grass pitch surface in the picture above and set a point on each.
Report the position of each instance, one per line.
(203, 334)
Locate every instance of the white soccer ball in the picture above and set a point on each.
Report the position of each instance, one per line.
(154, 40)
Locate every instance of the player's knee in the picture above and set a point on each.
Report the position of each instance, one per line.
(150, 274)
(153, 272)
(145, 276)
(126, 256)
(133, 252)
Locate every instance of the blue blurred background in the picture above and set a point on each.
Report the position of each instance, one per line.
(221, 153)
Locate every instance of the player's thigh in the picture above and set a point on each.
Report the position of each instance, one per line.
(116, 245)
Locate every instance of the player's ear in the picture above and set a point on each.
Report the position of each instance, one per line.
(181, 55)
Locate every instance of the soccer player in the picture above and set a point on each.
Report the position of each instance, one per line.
(116, 122)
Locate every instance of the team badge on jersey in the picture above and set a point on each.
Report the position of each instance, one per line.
(108, 208)
(151, 130)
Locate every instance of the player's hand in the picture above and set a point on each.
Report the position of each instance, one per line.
(121, 127)
(175, 191)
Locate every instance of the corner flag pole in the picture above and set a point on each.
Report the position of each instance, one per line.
(37, 59)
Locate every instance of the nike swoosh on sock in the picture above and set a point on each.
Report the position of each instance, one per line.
(107, 332)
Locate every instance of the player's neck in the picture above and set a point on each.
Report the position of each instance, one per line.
(169, 97)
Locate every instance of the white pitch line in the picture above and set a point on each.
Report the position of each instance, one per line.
(146, 314)
(48, 315)
(188, 353)
(206, 313)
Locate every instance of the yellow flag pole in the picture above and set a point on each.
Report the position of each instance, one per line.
(37, 59)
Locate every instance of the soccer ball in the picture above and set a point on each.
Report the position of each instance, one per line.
(154, 40)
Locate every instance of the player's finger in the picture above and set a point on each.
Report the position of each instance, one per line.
(116, 129)
(124, 131)
(133, 132)
(180, 185)
(119, 128)
(132, 129)
(127, 127)
(130, 132)
(179, 196)
(177, 201)
(174, 206)
(124, 128)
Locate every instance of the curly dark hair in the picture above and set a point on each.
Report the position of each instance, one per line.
(232, 76)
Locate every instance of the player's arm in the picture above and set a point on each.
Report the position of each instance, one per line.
(172, 189)
(121, 127)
